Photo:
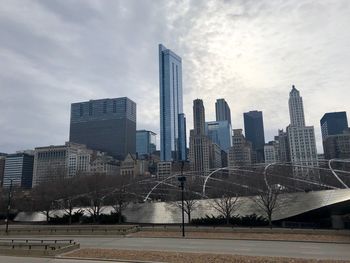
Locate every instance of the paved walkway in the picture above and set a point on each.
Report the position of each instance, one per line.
(239, 247)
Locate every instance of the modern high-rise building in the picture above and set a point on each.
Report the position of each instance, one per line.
(145, 143)
(301, 139)
(2, 168)
(19, 170)
(220, 132)
(171, 105)
(199, 155)
(182, 141)
(107, 125)
(333, 123)
(254, 132)
(337, 146)
(222, 110)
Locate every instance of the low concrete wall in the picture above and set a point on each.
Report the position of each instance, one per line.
(70, 230)
(25, 251)
(220, 229)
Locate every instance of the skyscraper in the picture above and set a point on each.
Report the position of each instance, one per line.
(220, 132)
(333, 123)
(19, 170)
(182, 141)
(171, 105)
(254, 132)
(337, 146)
(199, 142)
(222, 110)
(240, 154)
(301, 138)
(145, 142)
(107, 125)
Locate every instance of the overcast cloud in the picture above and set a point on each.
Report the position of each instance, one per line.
(53, 53)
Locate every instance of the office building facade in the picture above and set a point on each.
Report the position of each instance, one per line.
(220, 132)
(62, 161)
(283, 146)
(145, 143)
(333, 123)
(2, 168)
(199, 143)
(182, 141)
(107, 125)
(254, 132)
(171, 105)
(222, 111)
(272, 152)
(301, 139)
(337, 146)
(240, 154)
(19, 170)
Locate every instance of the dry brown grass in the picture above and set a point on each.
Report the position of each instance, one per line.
(251, 236)
(180, 257)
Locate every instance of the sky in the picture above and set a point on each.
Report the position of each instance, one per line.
(54, 53)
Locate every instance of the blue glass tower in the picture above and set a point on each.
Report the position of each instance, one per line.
(254, 132)
(182, 145)
(220, 133)
(333, 123)
(19, 169)
(170, 89)
(145, 142)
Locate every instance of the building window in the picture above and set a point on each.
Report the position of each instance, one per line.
(105, 107)
(90, 109)
(81, 110)
(114, 106)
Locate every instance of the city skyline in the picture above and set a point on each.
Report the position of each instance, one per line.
(49, 59)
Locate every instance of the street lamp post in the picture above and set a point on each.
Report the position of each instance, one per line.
(8, 207)
(182, 180)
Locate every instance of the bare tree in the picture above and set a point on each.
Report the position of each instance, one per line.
(226, 205)
(44, 196)
(97, 186)
(191, 197)
(120, 199)
(125, 190)
(71, 192)
(267, 201)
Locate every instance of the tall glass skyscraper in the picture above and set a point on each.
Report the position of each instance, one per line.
(333, 123)
(145, 142)
(182, 145)
(254, 132)
(220, 132)
(222, 110)
(171, 105)
(107, 125)
(19, 169)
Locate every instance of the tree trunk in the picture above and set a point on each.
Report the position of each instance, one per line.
(119, 217)
(227, 220)
(270, 220)
(189, 217)
(47, 216)
(70, 218)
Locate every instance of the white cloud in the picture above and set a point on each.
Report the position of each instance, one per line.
(54, 53)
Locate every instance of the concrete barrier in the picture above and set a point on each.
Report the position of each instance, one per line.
(70, 230)
(36, 247)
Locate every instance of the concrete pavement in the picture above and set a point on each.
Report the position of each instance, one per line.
(238, 247)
